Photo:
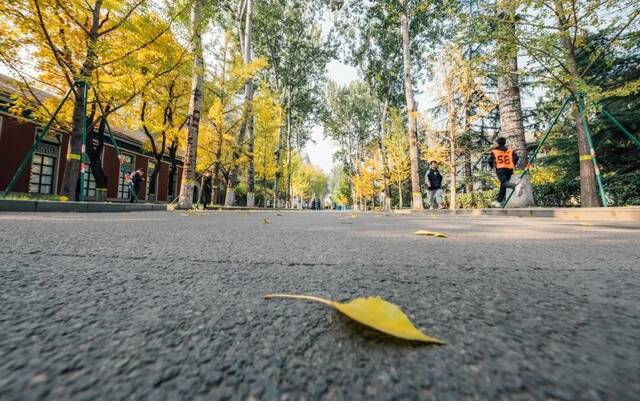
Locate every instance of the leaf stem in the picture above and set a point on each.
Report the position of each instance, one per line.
(306, 297)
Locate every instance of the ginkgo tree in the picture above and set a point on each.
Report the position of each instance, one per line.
(78, 42)
(268, 122)
(219, 146)
(397, 147)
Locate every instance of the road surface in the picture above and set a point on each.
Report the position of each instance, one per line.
(168, 306)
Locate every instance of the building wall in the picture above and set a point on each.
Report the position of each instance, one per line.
(111, 167)
(163, 182)
(142, 162)
(16, 139)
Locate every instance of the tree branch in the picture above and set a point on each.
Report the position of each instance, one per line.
(122, 20)
(52, 46)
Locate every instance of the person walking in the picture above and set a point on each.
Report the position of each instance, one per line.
(504, 160)
(206, 190)
(136, 179)
(433, 179)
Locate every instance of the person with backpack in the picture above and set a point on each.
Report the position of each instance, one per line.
(206, 190)
(433, 180)
(136, 180)
(504, 160)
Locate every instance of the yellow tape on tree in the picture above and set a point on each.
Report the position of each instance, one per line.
(585, 157)
(73, 156)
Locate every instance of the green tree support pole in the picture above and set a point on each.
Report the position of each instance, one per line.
(587, 131)
(535, 152)
(622, 128)
(115, 146)
(39, 137)
(83, 151)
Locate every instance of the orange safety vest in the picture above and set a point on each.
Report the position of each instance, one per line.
(504, 158)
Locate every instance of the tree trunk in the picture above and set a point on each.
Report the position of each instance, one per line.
(588, 191)
(588, 185)
(195, 105)
(452, 163)
(416, 194)
(468, 171)
(276, 181)
(173, 170)
(400, 200)
(383, 154)
(288, 195)
(509, 102)
(230, 194)
(72, 169)
(251, 195)
(95, 159)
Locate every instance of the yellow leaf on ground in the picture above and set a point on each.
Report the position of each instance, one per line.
(431, 233)
(373, 312)
(266, 221)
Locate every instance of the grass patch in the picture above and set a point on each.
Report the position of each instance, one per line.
(24, 196)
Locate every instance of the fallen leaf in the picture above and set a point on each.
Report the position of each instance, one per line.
(373, 312)
(266, 221)
(431, 233)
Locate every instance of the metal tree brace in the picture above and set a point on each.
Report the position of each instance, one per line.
(592, 156)
(83, 155)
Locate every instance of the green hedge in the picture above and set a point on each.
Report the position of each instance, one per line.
(621, 190)
(476, 199)
(471, 200)
(562, 193)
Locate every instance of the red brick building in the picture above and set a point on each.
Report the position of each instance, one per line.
(46, 170)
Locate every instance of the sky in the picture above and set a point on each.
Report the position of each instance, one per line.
(320, 149)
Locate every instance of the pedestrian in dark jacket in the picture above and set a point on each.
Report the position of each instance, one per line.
(433, 180)
(206, 190)
(136, 180)
(504, 160)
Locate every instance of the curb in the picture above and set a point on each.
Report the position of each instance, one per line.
(611, 213)
(7, 205)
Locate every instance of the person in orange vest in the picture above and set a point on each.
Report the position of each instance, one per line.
(504, 160)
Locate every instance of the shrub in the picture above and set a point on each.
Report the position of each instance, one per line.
(472, 200)
(562, 193)
(476, 199)
(26, 196)
(621, 190)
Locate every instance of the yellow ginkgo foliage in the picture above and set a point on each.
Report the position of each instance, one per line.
(373, 312)
(431, 233)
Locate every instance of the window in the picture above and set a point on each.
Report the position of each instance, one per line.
(123, 186)
(89, 182)
(151, 166)
(42, 168)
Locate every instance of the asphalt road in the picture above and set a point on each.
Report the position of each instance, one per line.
(168, 306)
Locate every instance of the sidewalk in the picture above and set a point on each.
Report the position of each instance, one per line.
(610, 213)
(8, 205)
